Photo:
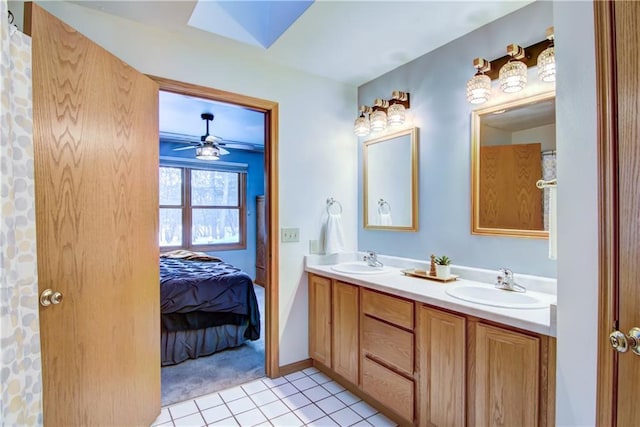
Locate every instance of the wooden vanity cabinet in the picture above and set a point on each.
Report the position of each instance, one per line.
(345, 330)
(509, 377)
(387, 351)
(441, 347)
(428, 366)
(320, 319)
(333, 325)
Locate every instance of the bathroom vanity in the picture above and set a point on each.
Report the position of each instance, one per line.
(429, 359)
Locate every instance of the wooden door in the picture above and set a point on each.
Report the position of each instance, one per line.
(508, 193)
(618, 41)
(345, 331)
(96, 175)
(320, 319)
(505, 385)
(442, 365)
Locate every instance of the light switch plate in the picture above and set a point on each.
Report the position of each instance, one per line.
(289, 235)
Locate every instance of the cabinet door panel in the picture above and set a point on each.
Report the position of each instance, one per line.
(442, 350)
(345, 331)
(507, 378)
(320, 319)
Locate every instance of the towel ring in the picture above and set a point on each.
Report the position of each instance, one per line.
(381, 204)
(330, 202)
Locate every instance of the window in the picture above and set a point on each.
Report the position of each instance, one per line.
(202, 209)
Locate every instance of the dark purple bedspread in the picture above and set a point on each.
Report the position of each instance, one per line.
(201, 287)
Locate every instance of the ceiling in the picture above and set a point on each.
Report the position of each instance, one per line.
(347, 41)
(180, 115)
(523, 117)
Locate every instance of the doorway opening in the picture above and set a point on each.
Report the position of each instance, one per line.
(247, 240)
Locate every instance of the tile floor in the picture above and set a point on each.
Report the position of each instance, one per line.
(303, 398)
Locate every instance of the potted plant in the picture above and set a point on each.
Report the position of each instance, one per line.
(443, 267)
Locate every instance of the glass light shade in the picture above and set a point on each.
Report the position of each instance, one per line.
(395, 115)
(547, 65)
(513, 76)
(207, 152)
(378, 121)
(361, 127)
(479, 89)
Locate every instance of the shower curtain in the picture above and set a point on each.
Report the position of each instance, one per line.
(20, 364)
(548, 173)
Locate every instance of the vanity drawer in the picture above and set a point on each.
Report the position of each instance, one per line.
(388, 344)
(391, 309)
(391, 389)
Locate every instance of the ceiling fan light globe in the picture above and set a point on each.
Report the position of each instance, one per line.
(207, 152)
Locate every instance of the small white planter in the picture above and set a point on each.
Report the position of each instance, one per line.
(443, 271)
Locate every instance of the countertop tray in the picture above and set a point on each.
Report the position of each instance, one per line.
(411, 272)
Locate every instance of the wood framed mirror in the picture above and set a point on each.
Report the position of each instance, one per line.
(390, 181)
(513, 145)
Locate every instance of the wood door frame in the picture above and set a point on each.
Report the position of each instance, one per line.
(270, 109)
(606, 400)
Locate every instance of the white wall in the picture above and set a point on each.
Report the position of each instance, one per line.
(577, 214)
(545, 135)
(317, 149)
(439, 108)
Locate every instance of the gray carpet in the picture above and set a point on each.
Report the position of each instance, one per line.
(228, 368)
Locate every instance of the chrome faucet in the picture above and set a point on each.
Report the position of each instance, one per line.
(372, 259)
(506, 281)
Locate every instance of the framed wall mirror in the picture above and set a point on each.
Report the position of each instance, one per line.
(390, 181)
(513, 146)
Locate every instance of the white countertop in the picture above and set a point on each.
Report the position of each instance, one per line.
(433, 293)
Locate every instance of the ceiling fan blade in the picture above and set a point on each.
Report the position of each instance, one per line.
(184, 148)
(243, 143)
(223, 151)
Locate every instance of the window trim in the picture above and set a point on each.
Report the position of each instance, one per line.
(187, 207)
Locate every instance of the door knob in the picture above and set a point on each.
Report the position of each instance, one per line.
(49, 297)
(621, 342)
(618, 341)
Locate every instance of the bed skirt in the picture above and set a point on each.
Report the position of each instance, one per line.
(178, 346)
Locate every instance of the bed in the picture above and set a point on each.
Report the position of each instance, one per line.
(206, 306)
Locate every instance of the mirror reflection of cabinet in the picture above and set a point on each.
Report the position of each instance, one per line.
(513, 146)
(391, 181)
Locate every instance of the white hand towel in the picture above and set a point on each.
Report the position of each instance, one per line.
(334, 236)
(385, 219)
(553, 223)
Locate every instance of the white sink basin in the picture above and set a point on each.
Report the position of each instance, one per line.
(358, 267)
(488, 295)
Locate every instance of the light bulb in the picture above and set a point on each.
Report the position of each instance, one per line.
(207, 152)
(361, 126)
(479, 89)
(395, 115)
(513, 76)
(547, 65)
(378, 121)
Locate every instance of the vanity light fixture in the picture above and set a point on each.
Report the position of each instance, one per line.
(511, 69)
(383, 113)
(479, 86)
(513, 74)
(547, 60)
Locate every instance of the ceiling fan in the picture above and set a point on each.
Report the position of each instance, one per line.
(210, 146)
